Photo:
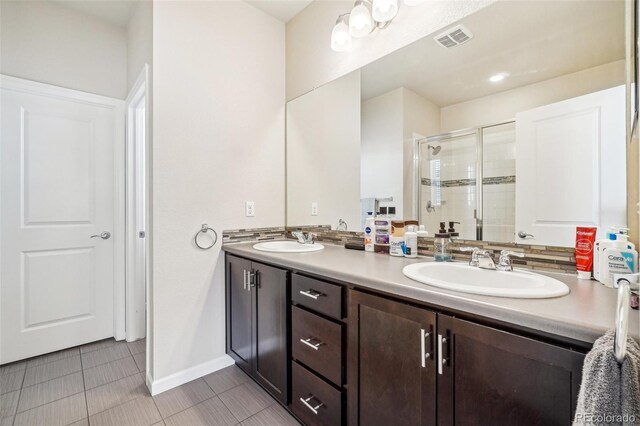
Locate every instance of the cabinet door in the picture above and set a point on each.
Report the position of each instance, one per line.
(239, 312)
(490, 376)
(270, 290)
(391, 362)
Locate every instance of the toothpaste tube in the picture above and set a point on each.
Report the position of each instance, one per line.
(585, 238)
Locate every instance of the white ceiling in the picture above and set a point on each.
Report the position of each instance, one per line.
(115, 12)
(531, 40)
(282, 10)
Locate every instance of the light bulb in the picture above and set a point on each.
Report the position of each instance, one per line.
(360, 21)
(340, 37)
(384, 10)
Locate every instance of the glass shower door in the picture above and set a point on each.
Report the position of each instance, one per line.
(448, 174)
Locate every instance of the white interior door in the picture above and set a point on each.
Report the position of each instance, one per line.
(571, 167)
(58, 188)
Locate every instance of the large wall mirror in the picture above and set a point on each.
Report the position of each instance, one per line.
(511, 122)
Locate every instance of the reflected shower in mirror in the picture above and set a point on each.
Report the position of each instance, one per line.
(512, 135)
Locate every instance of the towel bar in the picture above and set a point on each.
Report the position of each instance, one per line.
(625, 287)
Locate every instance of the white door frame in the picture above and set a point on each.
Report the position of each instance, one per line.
(42, 89)
(136, 206)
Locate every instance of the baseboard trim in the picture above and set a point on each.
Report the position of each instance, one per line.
(184, 376)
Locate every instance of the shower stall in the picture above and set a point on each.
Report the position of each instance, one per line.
(468, 177)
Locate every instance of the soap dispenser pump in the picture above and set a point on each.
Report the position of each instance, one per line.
(452, 230)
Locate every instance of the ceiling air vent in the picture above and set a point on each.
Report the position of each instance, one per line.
(454, 36)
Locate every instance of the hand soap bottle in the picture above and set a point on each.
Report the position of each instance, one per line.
(441, 245)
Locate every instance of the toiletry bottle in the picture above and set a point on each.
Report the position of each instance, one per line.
(369, 232)
(382, 229)
(452, 230)
(604, 243)
(422, 233)
(396, 240)
(441, 245)
(391, 212)
(620, 258)
(411, 238)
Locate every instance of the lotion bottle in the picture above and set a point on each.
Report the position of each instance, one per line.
(369, 233)
(620, 258)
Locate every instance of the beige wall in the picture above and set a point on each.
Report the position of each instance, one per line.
(323, 154)
(45, 42)
(504, 106)
(311, 62)
(139, 40)
(218, 126)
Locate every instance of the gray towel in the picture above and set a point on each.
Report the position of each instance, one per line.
(610, 392)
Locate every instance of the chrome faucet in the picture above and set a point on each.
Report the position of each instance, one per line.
(480, 258)
(305, 237)
(504, 263)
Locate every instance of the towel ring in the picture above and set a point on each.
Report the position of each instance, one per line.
(204, 230)
(622, 314)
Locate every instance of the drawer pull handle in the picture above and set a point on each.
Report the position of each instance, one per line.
(307, 342)
(305, 401)
(311, 293)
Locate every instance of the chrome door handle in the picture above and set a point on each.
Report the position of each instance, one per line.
(307, 342)
(311, 293)
(105, 235)
(305, 401)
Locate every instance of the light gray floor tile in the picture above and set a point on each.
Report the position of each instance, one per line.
(183, 397)
(6, 421)
(109, 372)
(52, 370)
(54, 356)
(160, 423)
(61, 412)
(102, 356)
(8, 403)
(83, 422)
(225, 379)
(274, 415)
(100, 344)
(211, 412)
(52, 390)
(139, 412)
(246, 400)
(115, 393)
(14, 367)
(11, 382)
(137, 346)
(141, 361)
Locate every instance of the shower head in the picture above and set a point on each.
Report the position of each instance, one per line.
(436, 149)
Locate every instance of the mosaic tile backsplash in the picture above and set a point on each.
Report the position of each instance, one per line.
(543, 258)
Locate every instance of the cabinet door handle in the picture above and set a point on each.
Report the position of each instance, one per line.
(440, 359)
(443, 343)
(251, 278)
(307, 342)
(244, 277)
(311, 293)
(424, 355)
(314, 409)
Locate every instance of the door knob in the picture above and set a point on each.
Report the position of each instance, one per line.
(523, 235)
(105, 235)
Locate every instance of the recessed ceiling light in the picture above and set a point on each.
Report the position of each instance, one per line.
(498, 77)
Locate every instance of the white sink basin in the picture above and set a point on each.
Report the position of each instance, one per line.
(287, 247)
(467, 279)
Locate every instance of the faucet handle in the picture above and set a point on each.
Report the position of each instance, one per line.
(474, 254)
(504, 263)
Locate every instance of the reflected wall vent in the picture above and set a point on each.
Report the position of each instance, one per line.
(454, 36)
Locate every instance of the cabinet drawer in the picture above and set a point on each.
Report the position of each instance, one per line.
(314, 401)
(318, 295)
(317, 343)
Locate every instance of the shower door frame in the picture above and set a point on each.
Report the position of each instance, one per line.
(447, 137)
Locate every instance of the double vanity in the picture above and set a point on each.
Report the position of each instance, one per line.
(346, 337)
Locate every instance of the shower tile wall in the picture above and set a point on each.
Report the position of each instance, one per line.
(449, 182)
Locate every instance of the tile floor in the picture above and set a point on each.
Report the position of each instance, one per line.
(103, 383)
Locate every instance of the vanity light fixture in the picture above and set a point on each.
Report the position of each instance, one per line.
(360, 19)
(498, 77)
(366, 16)
(340, 37)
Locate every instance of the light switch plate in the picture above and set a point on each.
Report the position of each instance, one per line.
(250, 209)
(314, 209)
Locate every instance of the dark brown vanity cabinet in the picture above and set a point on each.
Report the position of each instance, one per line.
(410, 366)
(257, 321)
